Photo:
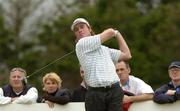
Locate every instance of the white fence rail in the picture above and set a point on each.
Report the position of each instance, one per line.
(151, 106)
(79, 106)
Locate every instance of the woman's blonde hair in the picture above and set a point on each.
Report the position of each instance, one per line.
(53, 77)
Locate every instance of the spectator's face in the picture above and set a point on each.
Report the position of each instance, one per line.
(81, 30)
(50, 86)
(15, 79)
(122, 71)
(174, 74)
(82, 72)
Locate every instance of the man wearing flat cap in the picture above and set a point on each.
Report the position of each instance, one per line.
(170, 92)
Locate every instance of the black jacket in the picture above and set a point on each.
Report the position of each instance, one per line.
(161, 97)
(8, 91)
(79, 94)
(61, 96)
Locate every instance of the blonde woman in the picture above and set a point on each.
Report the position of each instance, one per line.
(53, 92)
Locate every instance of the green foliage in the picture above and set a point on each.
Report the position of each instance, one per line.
(153, 39)
(5, 40)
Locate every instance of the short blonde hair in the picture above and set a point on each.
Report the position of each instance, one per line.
(53, 77)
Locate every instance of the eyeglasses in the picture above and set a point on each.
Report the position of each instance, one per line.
(18, 69)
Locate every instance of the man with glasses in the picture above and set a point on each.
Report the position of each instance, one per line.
(17, 91)
(170, 92)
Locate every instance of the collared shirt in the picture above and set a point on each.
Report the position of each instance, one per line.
(97, 61)
(83, 84)
(126, 86)
(137, 86)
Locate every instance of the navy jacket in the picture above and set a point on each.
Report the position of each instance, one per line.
(8, 91)
(79, 94)
(161, 97)
(61, 96)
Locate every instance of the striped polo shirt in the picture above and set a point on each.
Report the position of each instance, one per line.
(97, 61)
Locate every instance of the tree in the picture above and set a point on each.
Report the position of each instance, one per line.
(147, 34)
(5, 40)
(23, 48)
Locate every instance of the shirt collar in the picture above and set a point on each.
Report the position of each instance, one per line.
(83, 84)
(126, 84)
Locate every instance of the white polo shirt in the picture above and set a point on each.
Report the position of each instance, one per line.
(97, 61)
(137, 86)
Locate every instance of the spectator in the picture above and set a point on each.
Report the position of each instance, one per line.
(17, 91)
(80, 93)
(134, 88)
(53, 92)
(170, 92)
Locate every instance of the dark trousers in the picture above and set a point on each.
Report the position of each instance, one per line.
(104, 99)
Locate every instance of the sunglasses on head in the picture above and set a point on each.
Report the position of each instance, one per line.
(18, 69)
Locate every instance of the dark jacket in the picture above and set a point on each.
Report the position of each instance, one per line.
(79, 94)
(161, 97)
(8, 91)
(61, 96)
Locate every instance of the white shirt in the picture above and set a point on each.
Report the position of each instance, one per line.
(97, 61)
(30, 97)
(137, 86)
